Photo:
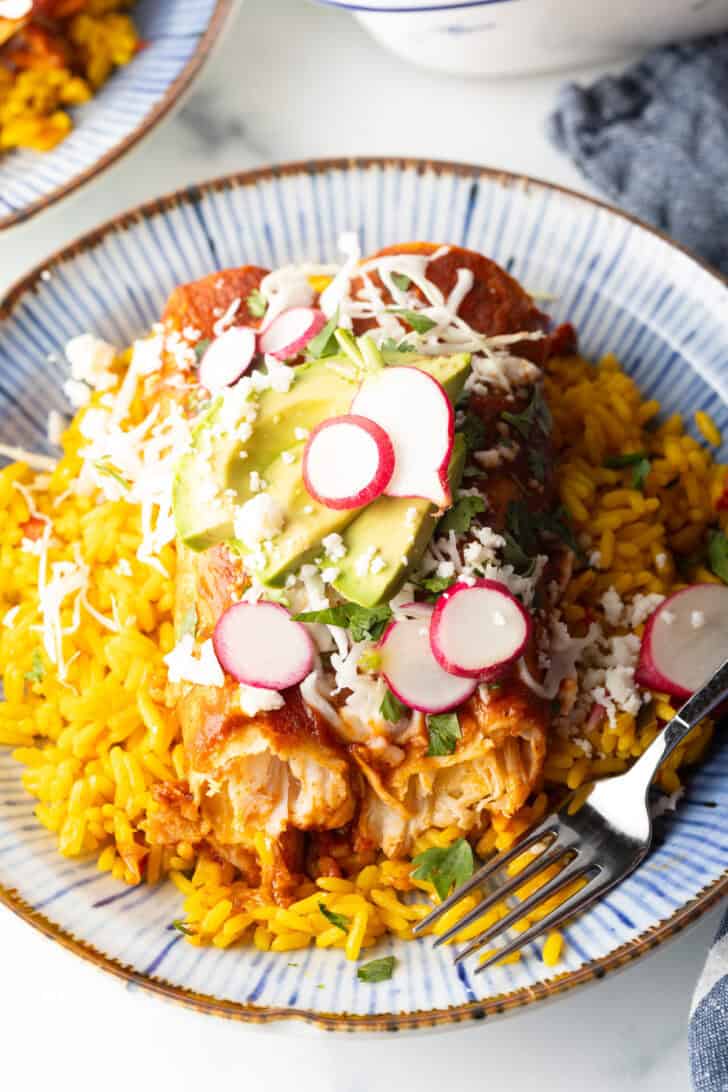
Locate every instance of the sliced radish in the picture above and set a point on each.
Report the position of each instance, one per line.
(290, 332)
(478, 630)
(348, 461)
(413, 674)
(227, 358)
(685, 640)
(259, 644)
(415, 412)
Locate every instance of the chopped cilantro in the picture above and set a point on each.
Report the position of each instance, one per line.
(461, 515)
(537, 464)
(392, 708)
(639, 474)
(377, 970)
(105, 468)
(444, 731)
(536, 413)
(256, 303)
(473, 431)
(630, 458)
(420, 323)
(201, 348)
(515, 555)
(364, 623)
(436, 584)
(37, 670)
(325, 343)
(389, 345)
(718, 554)
(445, 868)
(188, 625)
(338, 920)
(402, 281)
(182, 927)
(524, 529)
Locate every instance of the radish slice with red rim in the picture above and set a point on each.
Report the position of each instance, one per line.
(227, 358)
(415, 412)
(478, 630)
(260, 644)
(685, 640)
(413, 674)
(290, 332)
(348, 462)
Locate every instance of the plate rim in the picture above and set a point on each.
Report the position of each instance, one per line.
(223, 11)
(499, 1004)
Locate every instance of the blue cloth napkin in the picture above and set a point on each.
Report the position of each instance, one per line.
(655, 140)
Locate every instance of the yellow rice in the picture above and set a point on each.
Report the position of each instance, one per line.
(35, 97)
(95, 744)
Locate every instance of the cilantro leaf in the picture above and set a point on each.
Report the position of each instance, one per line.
(444, 732)
(256, 303)
(325, 343)
(402, 281)
(473, 431)
(639, 474)
(201, 348)
(536, 413)
(106, 468)
(525, 528)
(461, 515)
(718, 555)
(364, 623)
(436, 584)
(37, 670)
(188, 624)
(630, 458)
(338, 920)
(392, 708)
(182, 927)
(420, 323)
(514, 555)
(377, 970)
(389, 345)
(537, 463)
(445, 868)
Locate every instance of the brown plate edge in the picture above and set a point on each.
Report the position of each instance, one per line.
(223, 9)
(500, 1004)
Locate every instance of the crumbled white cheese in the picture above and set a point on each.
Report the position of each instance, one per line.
(260, 518)
(697, 619)
(329, 574)
(91, 360)
(667, 617)
(613, 606)
(202, 669)
(334, 547)
(363, 563)
(123, 567)
(410, 517)
(300, 433)
(257, 699)
(377, 564)
(496, 456)
(445, 569)
(288, 457)
(256, 482)
(595, 559)
(661, 561)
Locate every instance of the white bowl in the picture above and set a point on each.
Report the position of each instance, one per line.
(509, 37)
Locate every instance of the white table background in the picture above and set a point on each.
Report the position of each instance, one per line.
(293, 81)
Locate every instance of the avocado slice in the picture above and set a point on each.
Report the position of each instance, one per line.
(399, 527)
(212, 478)
(203, 510)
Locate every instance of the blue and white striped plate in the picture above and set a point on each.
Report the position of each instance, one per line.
(626, 288)
(179, 35)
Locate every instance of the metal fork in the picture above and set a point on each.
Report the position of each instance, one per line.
(599, 836)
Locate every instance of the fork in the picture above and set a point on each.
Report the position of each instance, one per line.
(599, 835)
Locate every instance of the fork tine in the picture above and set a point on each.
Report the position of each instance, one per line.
(542, 861)
(557, 917)
(548, 826)
(573, 871)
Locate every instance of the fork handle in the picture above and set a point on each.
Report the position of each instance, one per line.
(702, 702)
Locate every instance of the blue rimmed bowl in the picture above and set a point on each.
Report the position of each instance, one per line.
(510, 37)
(178, 36)
(627, 289)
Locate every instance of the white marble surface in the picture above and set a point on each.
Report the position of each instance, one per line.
(294, 81)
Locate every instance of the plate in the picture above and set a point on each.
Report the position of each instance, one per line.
(179, 35)
(627, 289)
